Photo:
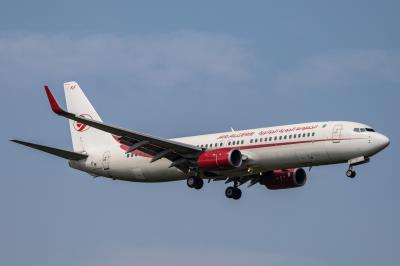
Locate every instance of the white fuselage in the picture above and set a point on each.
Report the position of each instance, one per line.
(263, 149)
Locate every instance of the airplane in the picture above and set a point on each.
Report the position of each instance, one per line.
(274, 157)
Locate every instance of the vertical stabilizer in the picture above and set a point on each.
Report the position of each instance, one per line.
(84, 138)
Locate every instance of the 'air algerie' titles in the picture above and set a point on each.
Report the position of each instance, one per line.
(268, 132)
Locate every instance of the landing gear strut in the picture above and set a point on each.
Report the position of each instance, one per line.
(195, 182)
(233, 192)
(351, 173)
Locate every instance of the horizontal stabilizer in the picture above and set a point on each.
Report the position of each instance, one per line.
(69, 155)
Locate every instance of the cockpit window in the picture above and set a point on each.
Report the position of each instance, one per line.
(363, 130)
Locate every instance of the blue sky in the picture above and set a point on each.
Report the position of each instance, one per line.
(176, 68)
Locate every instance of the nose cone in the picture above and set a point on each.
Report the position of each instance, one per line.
(381, 141)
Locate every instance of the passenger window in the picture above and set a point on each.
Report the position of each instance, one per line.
(242, 141)
(313, 134)
(294, 136)
(255, 140)
(284, 137)
(275, 138)
(251, 141)
(270, 138)
(266, 139)
(308, 134)
(206, 145)
(280, 137)
(290, 136)
(229, 143)
(304, 135)
(299, 136)
(210, 145)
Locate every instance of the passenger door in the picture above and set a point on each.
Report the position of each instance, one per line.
(337, 133)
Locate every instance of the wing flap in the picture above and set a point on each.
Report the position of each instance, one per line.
(69, 155)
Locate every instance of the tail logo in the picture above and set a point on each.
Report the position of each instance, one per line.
(80, 127)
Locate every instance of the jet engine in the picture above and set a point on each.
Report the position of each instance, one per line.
(283, 179)
(220, 159)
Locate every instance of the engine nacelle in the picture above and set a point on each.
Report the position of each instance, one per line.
(283, 179)
(220, 159)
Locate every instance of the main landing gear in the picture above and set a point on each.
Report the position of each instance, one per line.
(195, 182)
(233, 192)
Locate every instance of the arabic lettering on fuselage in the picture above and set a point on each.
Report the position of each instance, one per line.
(267, 132)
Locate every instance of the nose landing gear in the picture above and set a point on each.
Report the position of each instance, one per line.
(353, 162)
(351, 173)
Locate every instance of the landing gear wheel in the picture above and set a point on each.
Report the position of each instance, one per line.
(195, 182)
(199, 183)
(233, 193)
(237, 194)
(229, 191)
(351, 173)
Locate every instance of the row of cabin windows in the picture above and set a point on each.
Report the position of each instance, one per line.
(284, 137)
(257, 140)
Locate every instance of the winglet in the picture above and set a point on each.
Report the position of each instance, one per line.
(53, 102)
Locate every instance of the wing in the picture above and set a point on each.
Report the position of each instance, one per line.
(181, 155)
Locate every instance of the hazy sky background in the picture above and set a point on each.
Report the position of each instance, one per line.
(175, 68)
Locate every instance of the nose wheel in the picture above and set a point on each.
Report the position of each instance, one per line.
(195, 182)
(351, 173)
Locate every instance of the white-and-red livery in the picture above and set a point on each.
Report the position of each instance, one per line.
(272, 156)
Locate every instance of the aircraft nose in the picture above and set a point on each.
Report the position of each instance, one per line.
(382, 141)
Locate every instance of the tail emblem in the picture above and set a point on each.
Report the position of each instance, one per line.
(80, 126)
